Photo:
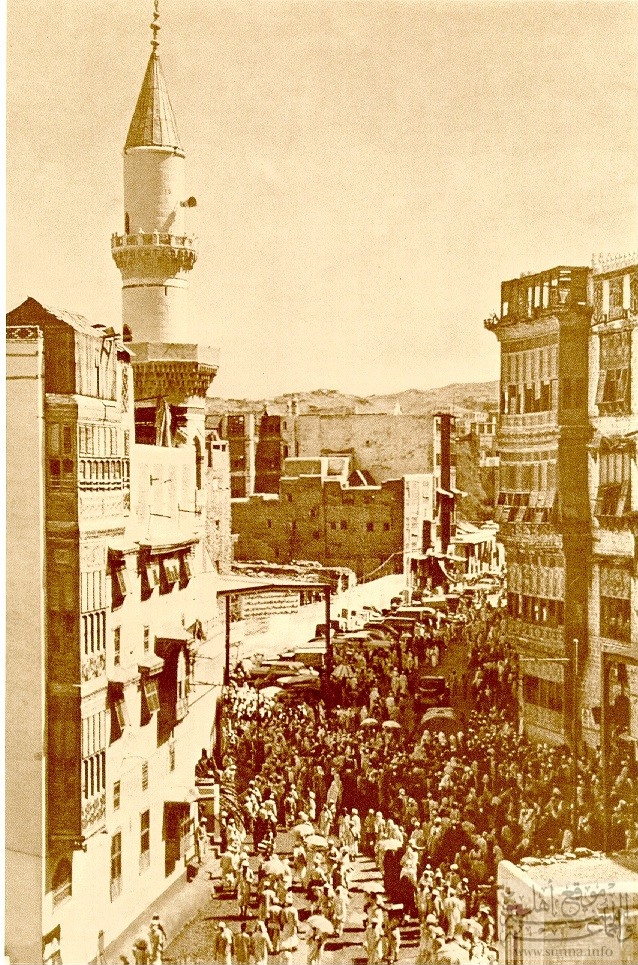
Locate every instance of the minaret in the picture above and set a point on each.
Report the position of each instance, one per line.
(154, 255)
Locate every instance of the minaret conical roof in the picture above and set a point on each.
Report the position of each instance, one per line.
(153, 123)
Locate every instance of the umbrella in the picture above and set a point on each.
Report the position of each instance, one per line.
(304, 830)
(274, 866)
(391, 844)
(300, 680)
(316, 841)
(474, 927)
(370, 722)
(320, 923)
(342, 671)
(373, 887)
(391, 725)
(271, 691)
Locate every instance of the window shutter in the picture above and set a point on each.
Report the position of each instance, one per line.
(600, 391)
(622, 498)
(622, 385)
(121, 711)
(151, 694)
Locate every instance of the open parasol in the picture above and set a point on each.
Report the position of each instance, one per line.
(316, 841)
(270, 691)
(274, 866)
(320, 923)
(342, 671)
(391, 725)
(304, 830)
(373, 887)
(370, 722)
(390, 844)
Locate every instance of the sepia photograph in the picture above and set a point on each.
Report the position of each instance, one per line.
(321, 482)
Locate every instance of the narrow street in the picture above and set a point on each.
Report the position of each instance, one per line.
(193, 945)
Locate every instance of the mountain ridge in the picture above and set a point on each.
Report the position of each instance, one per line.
(470, 396)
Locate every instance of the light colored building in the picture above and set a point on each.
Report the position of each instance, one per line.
(387, 446)
(118, 528)
(568, 909)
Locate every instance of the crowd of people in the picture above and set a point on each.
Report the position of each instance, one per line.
(436, 810)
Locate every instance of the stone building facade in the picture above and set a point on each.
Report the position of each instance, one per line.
(543, 500)
(119, 505)
(613, 487)
(325, 512)
(567, 503)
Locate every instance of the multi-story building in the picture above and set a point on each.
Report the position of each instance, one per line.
(257, 446)
(271, 452)
(543, 500)
(118, 525)
(613, 479)
(327, 512)
(239, 431)
(387, 446)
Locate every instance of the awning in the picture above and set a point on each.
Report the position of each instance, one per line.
(174, 635)
(168, 543)
(207, 790)
(151, 665)
(176, 792)
(123, 675)
(120, 545)
(169, 639)
(457, 492)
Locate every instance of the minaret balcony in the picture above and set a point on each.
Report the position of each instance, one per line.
(153, 251)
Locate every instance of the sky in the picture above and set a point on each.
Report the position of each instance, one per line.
(367, 173)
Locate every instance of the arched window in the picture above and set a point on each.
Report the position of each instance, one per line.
(127, 224)
(61, 884)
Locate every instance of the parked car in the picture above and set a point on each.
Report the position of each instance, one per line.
(432, 692)
(320, 629)
(266, 673)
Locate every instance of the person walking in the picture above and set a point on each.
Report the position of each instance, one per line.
(289, 939)
(241, 945)
(244, 886)
(315, 944)
(201, 841)
(224, 943)
(157, 940)
(260, 943)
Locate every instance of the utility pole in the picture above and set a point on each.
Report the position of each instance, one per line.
(329, 650)
(227, 644)
(446, 497)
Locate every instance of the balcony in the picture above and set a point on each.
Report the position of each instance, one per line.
(94, 814)
(546, 293)
(549, 637)
(164, 253)
(155, 240)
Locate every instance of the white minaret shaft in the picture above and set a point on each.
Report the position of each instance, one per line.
(154, 254)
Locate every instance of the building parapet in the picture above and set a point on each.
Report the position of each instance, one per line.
(154, 239)
(24, 333)
(603, 263)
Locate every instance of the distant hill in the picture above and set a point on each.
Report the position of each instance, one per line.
(473, 396)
